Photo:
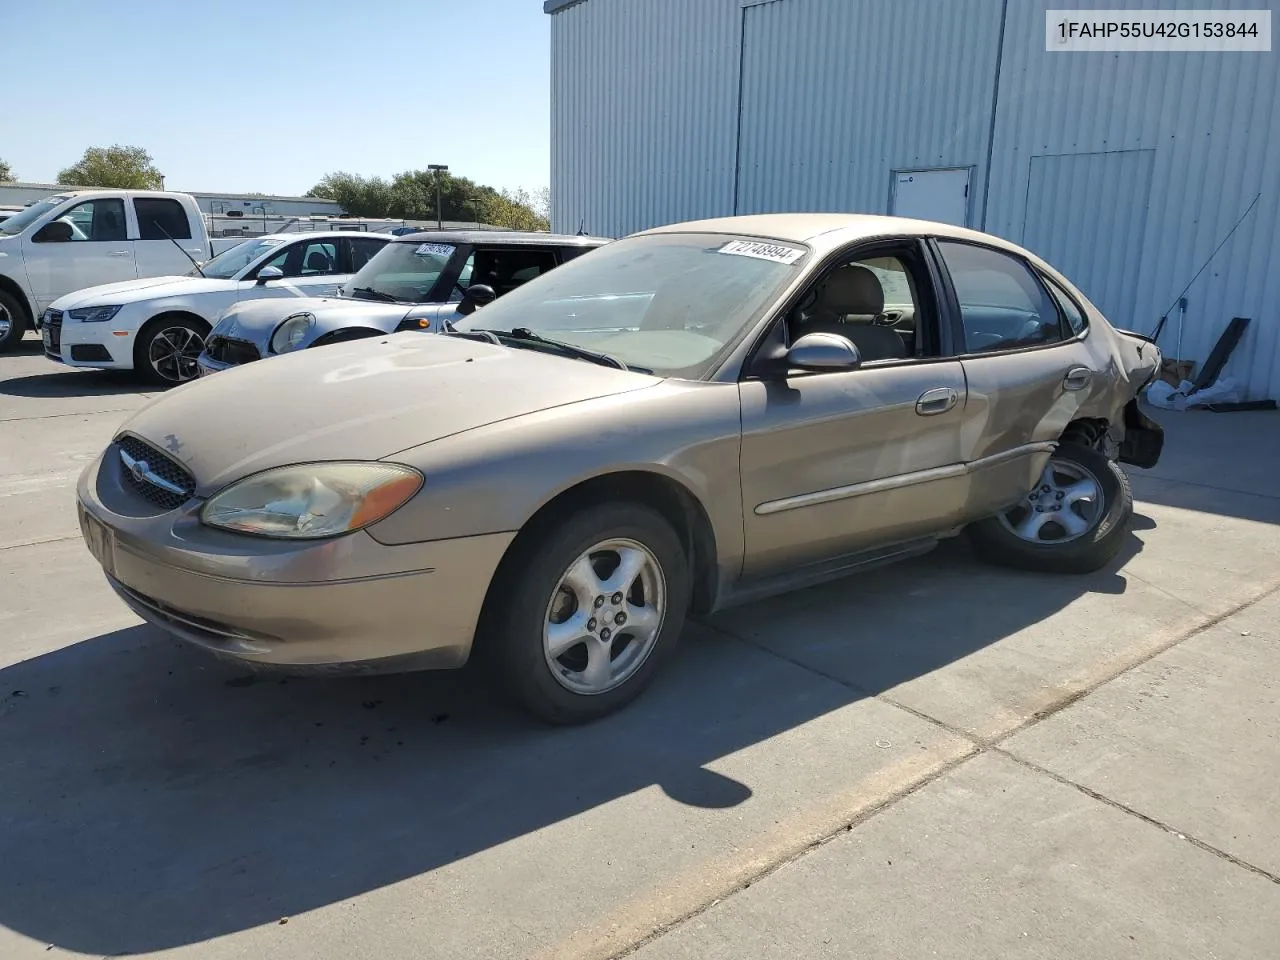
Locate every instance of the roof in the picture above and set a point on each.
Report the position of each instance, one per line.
(555, 6)
(825, 231)
(315, 235)
(501, 236)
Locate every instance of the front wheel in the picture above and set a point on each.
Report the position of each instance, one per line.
(13, 322)
(583, 618)
(167, 349)
(1073, 521)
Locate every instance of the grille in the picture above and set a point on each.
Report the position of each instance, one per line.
(161, 467)
(232, 350)
(53, 323)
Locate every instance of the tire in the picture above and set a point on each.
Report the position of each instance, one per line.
(530, 597)
(1057, 550)
(184, 334)
(13, 322)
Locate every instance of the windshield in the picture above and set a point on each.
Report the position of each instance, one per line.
(404, 272)
(18, 222)
(673, 303)
(231, 261)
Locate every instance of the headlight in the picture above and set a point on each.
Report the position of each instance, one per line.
(312, 499)
(292, 332)
(93, 314)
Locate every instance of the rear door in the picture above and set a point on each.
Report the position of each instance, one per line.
(90, 246)
(156, 220)
(1028, 373)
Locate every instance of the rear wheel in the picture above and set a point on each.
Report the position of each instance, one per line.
(13, 322)
(583, 618)
(167, 348)
(1073, 521)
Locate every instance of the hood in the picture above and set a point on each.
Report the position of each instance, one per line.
(131, 291)
(255, 320)
(364, 400)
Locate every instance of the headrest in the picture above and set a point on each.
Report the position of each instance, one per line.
(852, 289)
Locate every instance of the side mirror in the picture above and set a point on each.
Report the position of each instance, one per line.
(477, 296)
(55, 231)
(823, 351)
(269, 273)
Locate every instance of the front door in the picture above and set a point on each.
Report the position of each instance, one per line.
(84, 246)
(310, 267)
(834, 463)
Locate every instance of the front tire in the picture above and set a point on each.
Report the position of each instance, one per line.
(13, 322)
(1074, 520)
(166, 350)
(581, 619)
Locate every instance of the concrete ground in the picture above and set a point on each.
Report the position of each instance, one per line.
(936, 759)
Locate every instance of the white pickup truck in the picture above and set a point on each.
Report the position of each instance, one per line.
(85, 238)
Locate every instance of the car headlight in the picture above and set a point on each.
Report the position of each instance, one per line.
(312, 500)
(93, 314)
(292, 332)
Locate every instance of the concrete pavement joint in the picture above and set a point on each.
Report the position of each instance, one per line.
(53, 416)
(1206, 486)
(35, 543)
(1103, 798)
(846, 827)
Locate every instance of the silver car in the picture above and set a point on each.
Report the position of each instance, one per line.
(421, 281)
(688, 418)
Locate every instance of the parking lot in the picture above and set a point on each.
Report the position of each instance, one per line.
(934, 759)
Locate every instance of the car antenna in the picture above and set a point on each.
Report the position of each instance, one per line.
(159, 226)
(582, 227)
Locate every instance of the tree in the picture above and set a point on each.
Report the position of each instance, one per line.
(121, 167)
(411, 195)
(6, 173)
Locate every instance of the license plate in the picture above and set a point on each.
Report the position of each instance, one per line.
(100, 541)
(47, 335)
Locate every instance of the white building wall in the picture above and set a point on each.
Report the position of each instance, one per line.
(1126, 170)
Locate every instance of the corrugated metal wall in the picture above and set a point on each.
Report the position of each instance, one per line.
(644, 109)
(1126, 170)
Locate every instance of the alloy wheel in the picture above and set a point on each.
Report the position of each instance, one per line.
(173, 352)
(1066, 503)
(604, 616)
(6, 321)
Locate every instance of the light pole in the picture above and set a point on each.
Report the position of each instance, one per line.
(475, 209)
(439, 168)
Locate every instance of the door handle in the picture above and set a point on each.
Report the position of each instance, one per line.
(1077, 378)
(119, 253)
(935, 401)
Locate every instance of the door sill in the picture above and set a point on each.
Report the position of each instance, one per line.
(771, 585)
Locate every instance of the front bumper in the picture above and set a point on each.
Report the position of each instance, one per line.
(107, 346)
(345, 605)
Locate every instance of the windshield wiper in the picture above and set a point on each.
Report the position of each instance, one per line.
(375, 294)
(524, 333)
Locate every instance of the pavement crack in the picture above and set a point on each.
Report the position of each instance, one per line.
(35, 543)
(1103, 798)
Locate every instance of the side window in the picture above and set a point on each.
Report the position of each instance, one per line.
(161, 218)
(1002, 306)
(99, 220)
(319, 258)
(504, 270)
(305, 259)
(1070, 312)
(878, 303)
(362, 251)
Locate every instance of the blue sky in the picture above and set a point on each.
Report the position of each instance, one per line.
(239, 96)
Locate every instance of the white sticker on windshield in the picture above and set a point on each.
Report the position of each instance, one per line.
(434, 250)
(777, 252)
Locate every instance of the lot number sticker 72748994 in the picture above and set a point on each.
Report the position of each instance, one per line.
(777, 252)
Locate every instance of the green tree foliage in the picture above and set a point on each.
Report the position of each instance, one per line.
(411, 195)
(120, 167)
(6, 173)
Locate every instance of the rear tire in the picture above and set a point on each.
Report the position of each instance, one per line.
(166, 349)
(1052, 533)
(13, 322)
(574, 642)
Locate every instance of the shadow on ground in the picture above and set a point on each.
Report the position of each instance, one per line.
(152, 797)
(72, 382)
